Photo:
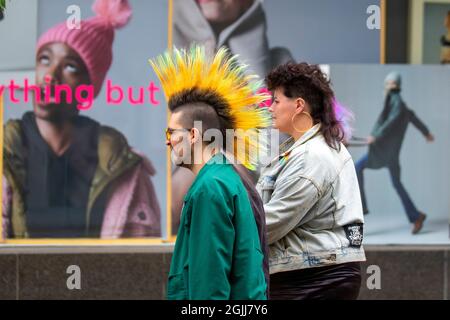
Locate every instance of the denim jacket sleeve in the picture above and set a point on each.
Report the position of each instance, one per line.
(291, 200)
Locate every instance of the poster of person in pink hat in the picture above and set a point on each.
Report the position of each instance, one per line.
(72, 168)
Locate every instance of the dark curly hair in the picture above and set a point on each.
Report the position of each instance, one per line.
(307, 81)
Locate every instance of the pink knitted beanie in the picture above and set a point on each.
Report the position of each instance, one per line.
(93, 42)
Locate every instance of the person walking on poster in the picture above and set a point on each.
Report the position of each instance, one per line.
(385, 144)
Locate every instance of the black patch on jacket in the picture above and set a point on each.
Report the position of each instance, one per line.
(354, 233)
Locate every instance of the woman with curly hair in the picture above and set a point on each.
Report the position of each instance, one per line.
(310, 192)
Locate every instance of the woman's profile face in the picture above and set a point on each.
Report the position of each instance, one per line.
(56, 65)
(283, 109)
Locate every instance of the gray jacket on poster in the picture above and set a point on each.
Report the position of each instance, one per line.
(313, 207)
(389, 131)
(247, 36)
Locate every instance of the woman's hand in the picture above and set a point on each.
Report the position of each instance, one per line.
(370, 139)
(430, 138)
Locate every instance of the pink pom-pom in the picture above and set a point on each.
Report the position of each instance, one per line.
(268, 102)
(116, 13)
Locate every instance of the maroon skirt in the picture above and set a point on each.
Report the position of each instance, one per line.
(336, 282)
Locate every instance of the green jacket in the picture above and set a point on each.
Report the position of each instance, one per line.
(115, 158)
(217, 253)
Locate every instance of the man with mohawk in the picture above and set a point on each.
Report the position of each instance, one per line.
(218, 253)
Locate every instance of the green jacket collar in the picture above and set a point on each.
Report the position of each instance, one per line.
(218, 158)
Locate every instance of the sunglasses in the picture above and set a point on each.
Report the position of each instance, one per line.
(170, 131)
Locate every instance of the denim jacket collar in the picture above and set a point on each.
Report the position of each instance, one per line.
(290, 144)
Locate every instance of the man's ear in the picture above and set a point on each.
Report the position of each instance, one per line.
(196, 136)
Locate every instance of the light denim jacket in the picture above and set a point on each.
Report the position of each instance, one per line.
(313, 207)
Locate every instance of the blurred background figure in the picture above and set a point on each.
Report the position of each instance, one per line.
(385, 144)
(445, 42)
(2, 8)
(239, 25)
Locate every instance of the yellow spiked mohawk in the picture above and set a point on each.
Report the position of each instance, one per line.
(233, 94)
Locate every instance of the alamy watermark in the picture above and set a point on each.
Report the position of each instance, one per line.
(373, 21)
(373, 281)
(74, 280)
